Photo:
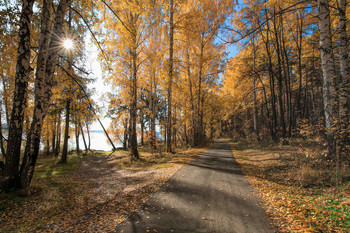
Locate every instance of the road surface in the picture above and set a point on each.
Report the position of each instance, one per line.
(208, 195)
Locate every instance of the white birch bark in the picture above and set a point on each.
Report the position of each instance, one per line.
(43, 91)
(23, 70)
(328, 71)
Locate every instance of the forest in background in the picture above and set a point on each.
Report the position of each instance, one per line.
(167, 64)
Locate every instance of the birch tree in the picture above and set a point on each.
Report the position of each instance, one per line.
(328, 70)
(23, 70)
(43, 86)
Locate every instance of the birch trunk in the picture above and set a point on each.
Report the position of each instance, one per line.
(50, 43)
(328, 70)
(88, 133)
(83, 136)
(125, 141)
(77, 134)
(23, 70)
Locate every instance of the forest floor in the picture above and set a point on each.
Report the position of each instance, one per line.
(91, 193)
(95, 192)
(297, 185)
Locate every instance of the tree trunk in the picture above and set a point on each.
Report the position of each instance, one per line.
(220, 127)
(66, 135)
(88, 133)
(203, 135)
(77, 134)
(6, 96)
(273, 102)
(185, 128)
(129, 132)
(133, 107)
(174, 128)
(279, 76)
(267, 109)
(23, 70)
(299, 41)
(344, 102)
(165, 130)
(273, 121)
(287, 68)
(198, 129)
(82, 134)
(53, 142)
(170, 78)
(255, 108)
(142, 129)
(47, 60)
(193, 110)
(125, 141)
(58, 142)
(328, 70)
(3, 151)
(47, 139)
(153, 117)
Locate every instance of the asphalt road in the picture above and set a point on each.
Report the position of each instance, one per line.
(208, 195)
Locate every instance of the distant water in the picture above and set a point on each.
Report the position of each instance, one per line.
(99, 141)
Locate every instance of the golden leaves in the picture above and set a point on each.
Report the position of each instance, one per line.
(292, 204)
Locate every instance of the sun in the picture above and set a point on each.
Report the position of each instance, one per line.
(68, 43)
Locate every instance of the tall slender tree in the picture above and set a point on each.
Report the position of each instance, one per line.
(23, 70)
(328, 70)
(43, 88)
(170, 77)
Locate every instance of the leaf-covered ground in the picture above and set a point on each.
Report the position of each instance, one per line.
(297, 185)
(91, 193)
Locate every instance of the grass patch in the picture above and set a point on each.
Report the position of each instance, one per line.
(153, 159)
(51, 192)
(49, 167)
(163, 165)
(56, 194)
(297, 184)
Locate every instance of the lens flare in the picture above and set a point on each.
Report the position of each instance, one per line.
(68, 43)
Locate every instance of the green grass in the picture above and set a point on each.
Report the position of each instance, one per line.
(55, 193)
(153, 159)
(163, 165)
(49, 167)
(52, 189)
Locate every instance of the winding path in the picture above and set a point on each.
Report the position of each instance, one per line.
(208, 195)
